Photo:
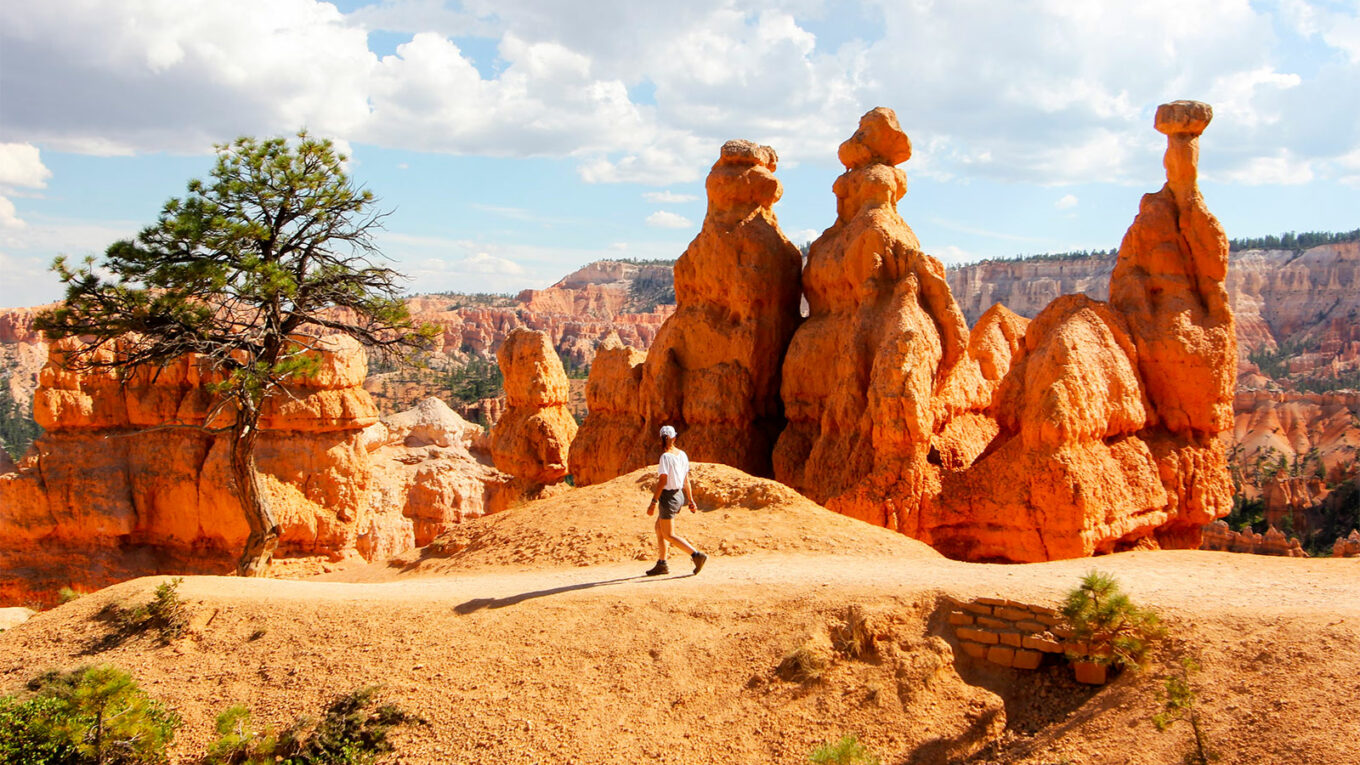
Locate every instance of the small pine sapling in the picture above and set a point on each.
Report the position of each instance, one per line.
(1116, 631)
(1179, 702)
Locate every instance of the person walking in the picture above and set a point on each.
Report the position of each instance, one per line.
(672, 478)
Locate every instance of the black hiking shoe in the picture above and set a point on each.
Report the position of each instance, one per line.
(699, 560)
(659, 569)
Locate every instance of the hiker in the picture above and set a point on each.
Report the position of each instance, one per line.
(673, 477)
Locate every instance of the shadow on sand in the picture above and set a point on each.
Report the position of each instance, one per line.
(477, 604)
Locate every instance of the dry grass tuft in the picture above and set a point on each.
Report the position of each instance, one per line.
(857, 636)
(807, 663)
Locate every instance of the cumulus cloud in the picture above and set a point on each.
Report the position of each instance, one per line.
(1032, 92)
(952, 255)
(667, 219)
(9, 217)
(1066, 202)
(21, 165)
(1282, 168)
(483, 263)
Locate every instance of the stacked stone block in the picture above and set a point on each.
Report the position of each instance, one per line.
(1010, 633)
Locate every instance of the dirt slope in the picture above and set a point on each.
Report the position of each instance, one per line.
(567, 655)
(607, 523)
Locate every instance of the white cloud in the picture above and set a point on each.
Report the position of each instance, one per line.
(951, 255)
(9, 218)
(26, 281)
(27, 251)
(805, 235)
(483, 263)
(1069, 88)
(668, 197)
(666, 219)
(1066, 202)
(1282, 168)
(21, 165)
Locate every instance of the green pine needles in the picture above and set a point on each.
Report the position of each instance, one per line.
(245, 274)
(1179, 701)
(90, 715)
(1117, 632)
(847, 751)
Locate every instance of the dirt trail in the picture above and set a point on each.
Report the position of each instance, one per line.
(552, 661)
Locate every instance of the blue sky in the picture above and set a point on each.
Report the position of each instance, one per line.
(517, 141)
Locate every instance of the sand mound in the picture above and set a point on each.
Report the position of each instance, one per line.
(607, 523)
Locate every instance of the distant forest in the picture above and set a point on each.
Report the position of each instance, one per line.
(1294, 241)
(1290, 240)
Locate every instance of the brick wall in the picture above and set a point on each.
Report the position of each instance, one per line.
(1010, 633)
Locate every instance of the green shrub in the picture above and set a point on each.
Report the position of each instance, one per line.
(1117, 631)
(239, 742)
(167, 611)
(353, 731)
(847, 751)
(89, 715)
(66, 595)
(167, 614)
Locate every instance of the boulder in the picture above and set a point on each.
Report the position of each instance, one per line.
(14, 616)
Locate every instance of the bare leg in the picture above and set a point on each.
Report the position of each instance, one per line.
(663, 534)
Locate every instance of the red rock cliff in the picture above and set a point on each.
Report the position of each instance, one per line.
(112, 492)
(1092, 428)
(882, 331)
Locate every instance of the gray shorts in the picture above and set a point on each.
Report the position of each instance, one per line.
(671, 502)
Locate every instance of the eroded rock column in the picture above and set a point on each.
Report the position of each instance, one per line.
(532, 439)
(883, 329)
(714, 370)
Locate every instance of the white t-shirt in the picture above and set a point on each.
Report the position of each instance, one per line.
(675, 466)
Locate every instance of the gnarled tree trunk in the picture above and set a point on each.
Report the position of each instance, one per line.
(264, 528)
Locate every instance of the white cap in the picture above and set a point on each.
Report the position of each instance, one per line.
(667, 431)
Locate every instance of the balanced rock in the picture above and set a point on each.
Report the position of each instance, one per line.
(713, 371)
(1169, 283)
(882, 334)
(532, 439)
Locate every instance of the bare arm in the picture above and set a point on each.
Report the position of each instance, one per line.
(689, 495)
(656, 493)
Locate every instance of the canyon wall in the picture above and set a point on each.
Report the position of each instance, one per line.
(1304, 302)
(117, 487)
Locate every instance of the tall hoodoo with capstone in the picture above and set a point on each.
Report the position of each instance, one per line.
(714, 370)
(1169, 283)
(1109, 415)
(883, 330)
(532, 439)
